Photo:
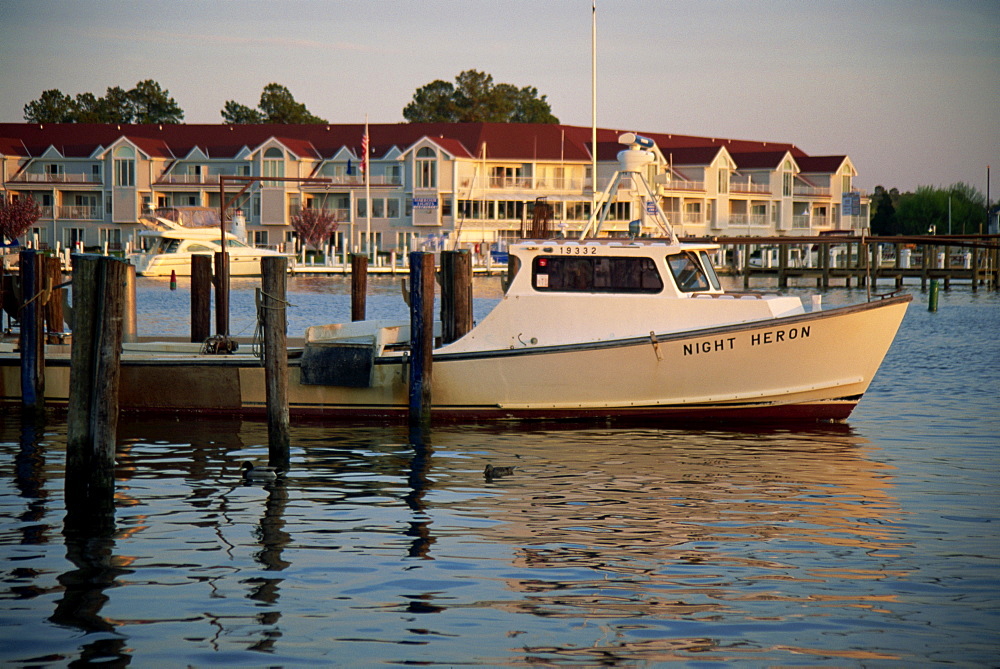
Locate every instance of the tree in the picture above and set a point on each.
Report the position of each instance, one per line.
(147, 102)
(277, 105)
(475, 99)
(152, 104)
(883, 221)
(17, 215)
(929, 206)
(314, 226)
(53, 106)
(235, 113)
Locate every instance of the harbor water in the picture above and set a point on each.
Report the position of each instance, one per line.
(870, 543)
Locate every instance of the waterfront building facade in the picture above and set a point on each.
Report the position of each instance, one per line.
(428, 184)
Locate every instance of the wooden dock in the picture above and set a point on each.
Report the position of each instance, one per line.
(843, 260)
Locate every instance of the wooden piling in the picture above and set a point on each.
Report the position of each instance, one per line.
(746, 266)
(54, 314)
(32, 321)
(421, 335)
(130, 321)
(783, 266)
(359, 286)
(201, 297)
(456, 294)
(274, 289)
(92, 418)
(222, 293)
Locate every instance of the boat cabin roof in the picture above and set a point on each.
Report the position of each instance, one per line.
(612, 266)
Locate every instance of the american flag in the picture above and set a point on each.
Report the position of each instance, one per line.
(364, 151)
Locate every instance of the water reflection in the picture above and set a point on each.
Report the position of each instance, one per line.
(667, 544)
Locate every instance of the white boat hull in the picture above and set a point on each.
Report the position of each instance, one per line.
(809, 367)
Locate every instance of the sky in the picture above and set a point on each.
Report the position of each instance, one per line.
(907, 88)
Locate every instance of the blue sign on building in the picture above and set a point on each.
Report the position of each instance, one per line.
(425, 203)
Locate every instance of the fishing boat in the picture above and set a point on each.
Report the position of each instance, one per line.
(171, 236)
(588, 328)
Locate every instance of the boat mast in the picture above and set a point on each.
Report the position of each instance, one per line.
(593, 110)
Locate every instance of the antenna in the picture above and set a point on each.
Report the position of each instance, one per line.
(631, 162)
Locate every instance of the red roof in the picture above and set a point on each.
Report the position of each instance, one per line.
(513, 141)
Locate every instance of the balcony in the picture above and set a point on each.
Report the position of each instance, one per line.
(811, 191)
(339, 215)
(188, 179)
(79, 212)
(748, 186)
(76, 178)
(678, 184)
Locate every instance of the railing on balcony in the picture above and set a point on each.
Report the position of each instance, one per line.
(339, 215)
(520, 183)
(79, 212)
(678, 184)
(76, 178)
(748, 220)
(811, 191)
(355, 180)
(736, 186)
(188, 179)
(800, 222)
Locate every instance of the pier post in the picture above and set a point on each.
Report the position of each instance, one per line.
(359, 286)
(54, 317)
(421, 335)
(783, 266)
(32, 332)
(975, 268)
(456, 294)
(274, 288)
(201, 297)
(130, 322)
(746, 266)
(222, 293)
(825, 263)
(92, 418)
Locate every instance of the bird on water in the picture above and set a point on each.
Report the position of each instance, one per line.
(258, 472)
(491, 472)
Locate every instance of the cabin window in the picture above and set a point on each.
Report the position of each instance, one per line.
(688, 272)
(596, 275)
(706, 262)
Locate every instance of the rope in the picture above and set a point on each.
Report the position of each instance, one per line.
(257, 343)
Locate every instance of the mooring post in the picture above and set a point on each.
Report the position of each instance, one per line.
(32, 332)
(54, 318)
(201, 297)
(92, 418)
(456, 294)
(222, 293)
(783, 265)
(421, 334)
(932, 300)
(359, 286)
(130, 322)
(274, 288)
(746, 266)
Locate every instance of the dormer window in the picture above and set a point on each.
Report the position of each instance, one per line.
(426, 168)
(274, 165)
(125, 166)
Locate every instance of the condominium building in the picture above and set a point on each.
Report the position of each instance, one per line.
(426, 182)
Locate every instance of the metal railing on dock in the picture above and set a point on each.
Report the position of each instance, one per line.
(972, 259)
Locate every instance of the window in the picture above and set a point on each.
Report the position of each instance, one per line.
(688, 272)
(72, 237)
(125, 166)
(274, 165)
(723, 181)
(426, 168)
(54, 169)
(112, 237)
(596, 274)
(786, 179)
(260, 238)
(392, 207)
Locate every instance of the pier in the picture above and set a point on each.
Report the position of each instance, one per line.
(846, 260)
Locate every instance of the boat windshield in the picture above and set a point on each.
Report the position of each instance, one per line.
(688, 272)
(596, 274)
(157, 245)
